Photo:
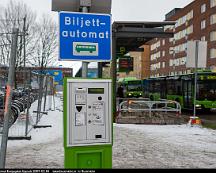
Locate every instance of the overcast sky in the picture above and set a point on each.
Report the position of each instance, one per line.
(122, 10)
(133, 10)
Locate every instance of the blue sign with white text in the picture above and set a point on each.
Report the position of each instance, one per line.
(58, 76)
(85, 36)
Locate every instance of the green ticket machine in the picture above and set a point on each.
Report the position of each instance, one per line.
(88, 123)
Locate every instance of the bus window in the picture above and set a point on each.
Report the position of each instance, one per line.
(206, 90)
(170, 87)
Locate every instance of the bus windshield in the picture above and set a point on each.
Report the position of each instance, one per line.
(134, 86)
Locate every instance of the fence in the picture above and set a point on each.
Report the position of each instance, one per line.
(143, 110)
(28, 108)
(135, 105)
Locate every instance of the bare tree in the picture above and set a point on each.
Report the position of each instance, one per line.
(19, 15)
(45, 49)
(46, 42)
(13, 16)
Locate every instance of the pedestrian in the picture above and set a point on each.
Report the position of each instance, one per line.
(120, 93)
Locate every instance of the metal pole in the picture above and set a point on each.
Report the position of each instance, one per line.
(27, 114)
(28, 104)
(53, 94)
(40, 91)
(45, 95)
(195, 76)
(8, 97)
(84, 64)
(113, 73)
(100, 70)
(24, 50)
(50, 94)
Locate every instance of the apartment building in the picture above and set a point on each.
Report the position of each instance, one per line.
(196, 21)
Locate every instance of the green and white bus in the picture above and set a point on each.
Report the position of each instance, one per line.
(181, 88)
(132, 87)
(88, 48)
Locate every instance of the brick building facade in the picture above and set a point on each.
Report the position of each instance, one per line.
(196, 21)
(21, 77)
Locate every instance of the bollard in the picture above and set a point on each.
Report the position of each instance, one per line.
(194, 121)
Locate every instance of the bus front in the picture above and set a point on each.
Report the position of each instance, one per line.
(206, 91)
(134, 88)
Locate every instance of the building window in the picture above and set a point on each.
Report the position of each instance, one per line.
(213, 53)
(212, 3)
(203, 8)
(213, 19)
(203, 38)
(155, 45)
(163, 53)
(188, 71)
(176, 62)
(140, 58)
(171, 39)
(182, 61)
(213, 36)
(163, 65)
(189, 15)
(189, 30)
(163, 42)
(171, 63)
(203, 24)
(171, 50)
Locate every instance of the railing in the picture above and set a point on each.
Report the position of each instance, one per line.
(145, 105)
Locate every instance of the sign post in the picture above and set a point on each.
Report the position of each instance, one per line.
(85, 4)
(196, 58)
(86, 37)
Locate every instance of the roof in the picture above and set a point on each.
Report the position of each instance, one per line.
(142, 24)
(133, 34)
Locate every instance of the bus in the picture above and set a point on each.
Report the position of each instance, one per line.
(181, 88)
(88, 48)
(132, 87)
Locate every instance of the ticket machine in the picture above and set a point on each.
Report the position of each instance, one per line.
(88, 123)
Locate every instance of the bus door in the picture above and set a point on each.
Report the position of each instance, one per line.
(163, 89)
(187, 94)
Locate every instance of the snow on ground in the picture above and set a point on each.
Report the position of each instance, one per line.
(163, 146)
(135, 146)
(45, 149)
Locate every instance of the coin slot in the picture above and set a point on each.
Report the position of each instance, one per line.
(98, 136)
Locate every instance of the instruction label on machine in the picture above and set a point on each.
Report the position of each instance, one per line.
(80, 119)
(98, 113)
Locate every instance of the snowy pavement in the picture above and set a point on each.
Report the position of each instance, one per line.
(135, 146)
(165, 146)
